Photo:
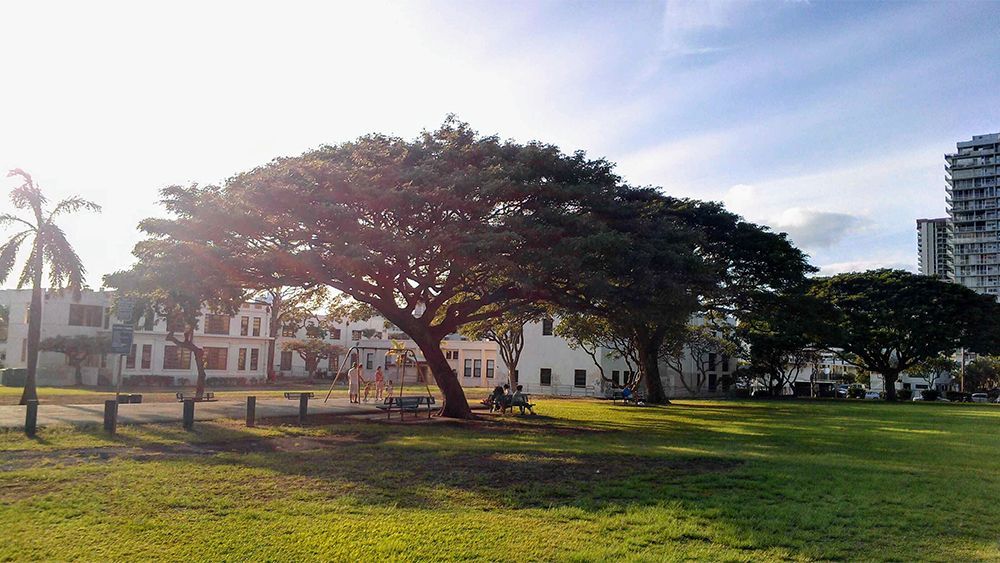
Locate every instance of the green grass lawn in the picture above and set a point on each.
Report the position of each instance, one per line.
(586, 481)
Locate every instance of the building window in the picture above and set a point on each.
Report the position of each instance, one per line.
(254, 359)
(370, 360)
(711, 361)
(616, 378)
(216, 324)
(289, 331)
(313, 331)
(130, 359)
(477, 368)
(175, 357)
(356, 335)
(286, 360)
(580, 378)
(467, 373)
(85, 315)
(546, 327)
(107, 317)
(545, 376)
(490, 365)
(515, 377)
(244, 326)
(24, 349)
(216, 358)
(335, 333)
(148, 321)
(725, 362)
(713, 382)
(256, 326)
(241, 359)
(147, 356)
(333, 363)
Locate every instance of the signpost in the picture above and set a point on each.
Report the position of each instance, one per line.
(121, 343)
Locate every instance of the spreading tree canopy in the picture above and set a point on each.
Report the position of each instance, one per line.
(888, 321)
(178, 281)
(431, 232)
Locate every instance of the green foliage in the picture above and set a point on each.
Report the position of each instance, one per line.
(77, 349)
(312, 351)
(889, 321)
(983, 373)
(934, 368)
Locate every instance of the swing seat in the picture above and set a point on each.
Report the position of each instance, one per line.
(410, 403)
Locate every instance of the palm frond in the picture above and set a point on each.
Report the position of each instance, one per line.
(8, 253)
(28, 273)
(65, 267)
(72, 205)
(27, 195)
(7, 219)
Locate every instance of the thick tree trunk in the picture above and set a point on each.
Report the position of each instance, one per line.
(199, 363)
(455, 404)
(890, 384)
(34, 328)
(649, 361)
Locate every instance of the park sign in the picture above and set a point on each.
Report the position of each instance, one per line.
(125, 308)
(121, 339)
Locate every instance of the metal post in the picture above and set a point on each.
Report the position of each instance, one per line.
(111, 416)
(118, 384)
(31, 418)
(303, 407)
(251, 411)
(188, 414)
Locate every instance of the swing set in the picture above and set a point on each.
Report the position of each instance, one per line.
(402, 355)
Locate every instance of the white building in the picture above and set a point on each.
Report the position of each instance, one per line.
(934, 248)
(973, 181)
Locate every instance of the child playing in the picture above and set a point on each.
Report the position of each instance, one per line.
(368, 390)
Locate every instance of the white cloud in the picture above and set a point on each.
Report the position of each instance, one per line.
(813, 229)
(684, 22)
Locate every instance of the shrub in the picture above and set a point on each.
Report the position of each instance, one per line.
(904, 394)
(856, 392)
(958, 397)
(930, 394)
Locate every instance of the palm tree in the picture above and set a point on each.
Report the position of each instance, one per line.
(49, 248)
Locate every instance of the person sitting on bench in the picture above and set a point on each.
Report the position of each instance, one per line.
(496, 399)
(520, 400)
(626, 395)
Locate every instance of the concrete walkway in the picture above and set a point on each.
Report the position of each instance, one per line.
(12, 416)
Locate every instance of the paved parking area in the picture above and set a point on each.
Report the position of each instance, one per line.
(12, 416)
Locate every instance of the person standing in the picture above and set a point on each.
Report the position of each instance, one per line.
(354, 387)
(379, 383)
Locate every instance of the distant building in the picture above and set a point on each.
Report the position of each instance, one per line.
(934, 248)
(972, 178)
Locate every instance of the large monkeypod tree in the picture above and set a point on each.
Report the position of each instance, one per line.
(658, 261)
(888, 321)
(433, 233)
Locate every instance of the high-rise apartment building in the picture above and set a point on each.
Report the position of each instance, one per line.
(972, 177)
(934, 247)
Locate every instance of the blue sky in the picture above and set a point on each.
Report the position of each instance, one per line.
(824, 119)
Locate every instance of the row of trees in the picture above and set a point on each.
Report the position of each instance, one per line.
(453, 230)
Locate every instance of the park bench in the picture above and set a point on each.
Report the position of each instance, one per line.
(407, 404)
(209, 396)
(292, 396)
(617, 395)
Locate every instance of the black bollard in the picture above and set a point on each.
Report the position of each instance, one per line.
(188, 414)
(31, 418)
(251, 411)
(111, 416)
(303, 408)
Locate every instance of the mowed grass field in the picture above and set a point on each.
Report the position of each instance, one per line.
(585, 480)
